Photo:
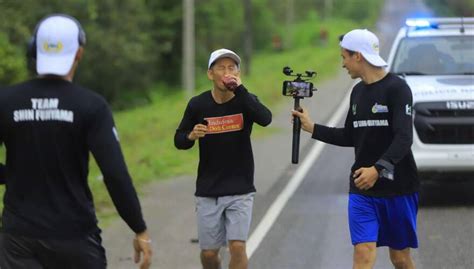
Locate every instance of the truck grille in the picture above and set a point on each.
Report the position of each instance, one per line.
(435, 123)
(452, 113)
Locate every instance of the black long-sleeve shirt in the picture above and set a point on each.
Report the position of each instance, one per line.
(2, 173)
(379, 126)
(226, 165)
(48, 127)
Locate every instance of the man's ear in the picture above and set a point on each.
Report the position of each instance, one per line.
(79, 54)
(358, 56)
(210, 74)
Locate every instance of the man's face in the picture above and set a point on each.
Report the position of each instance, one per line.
(221, 68)
(351, 62)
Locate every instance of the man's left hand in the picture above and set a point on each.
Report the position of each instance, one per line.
(143, 251)
(365, 177)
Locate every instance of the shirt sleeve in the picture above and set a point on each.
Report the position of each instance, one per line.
(259, 113)
(103, 141)
(400, 103)
(181, 140)
(336, 136)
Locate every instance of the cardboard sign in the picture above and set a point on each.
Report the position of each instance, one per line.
(225, 124)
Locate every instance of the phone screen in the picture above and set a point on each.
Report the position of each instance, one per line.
(298, 88)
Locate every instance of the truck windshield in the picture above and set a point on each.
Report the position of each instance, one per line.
(439, 55)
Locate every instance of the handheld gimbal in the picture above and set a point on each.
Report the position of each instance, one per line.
(299, 88)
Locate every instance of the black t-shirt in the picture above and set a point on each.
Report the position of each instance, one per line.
(48, 127)
(226, 165)
(379, 126)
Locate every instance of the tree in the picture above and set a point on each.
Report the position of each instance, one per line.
(248, 39)
(12, 64)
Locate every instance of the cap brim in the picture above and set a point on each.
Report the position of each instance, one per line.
(54, 65)
(226, 55)
(375, 60)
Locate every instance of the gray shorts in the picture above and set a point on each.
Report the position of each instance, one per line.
(221, 219)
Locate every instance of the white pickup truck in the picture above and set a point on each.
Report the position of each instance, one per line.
(436, 58)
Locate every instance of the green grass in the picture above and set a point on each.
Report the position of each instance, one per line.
(147, 132)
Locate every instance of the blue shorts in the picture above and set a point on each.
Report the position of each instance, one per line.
(388, 221)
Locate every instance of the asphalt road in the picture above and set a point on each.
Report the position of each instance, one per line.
(312, 229)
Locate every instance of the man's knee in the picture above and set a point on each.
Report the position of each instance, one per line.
(401, 259)
(400, 262)
(364, 253)
(210, 255)
(237, 249)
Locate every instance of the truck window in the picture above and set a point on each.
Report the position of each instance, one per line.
(441, 55)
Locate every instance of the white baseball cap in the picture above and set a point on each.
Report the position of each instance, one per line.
(365, 42)
(223, 53)
(57, 42)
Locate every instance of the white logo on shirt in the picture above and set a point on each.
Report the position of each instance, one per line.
(379, 108)
(369, 123)
(114, 131)
(408, 109)
(43, 109)
(354, 109)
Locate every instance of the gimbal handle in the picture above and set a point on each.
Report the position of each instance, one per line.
(296, 133)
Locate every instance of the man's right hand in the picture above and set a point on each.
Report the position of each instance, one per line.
(306, 123)
(143, 251)
(198, 131)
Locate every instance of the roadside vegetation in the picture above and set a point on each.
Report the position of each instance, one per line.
(452, 8)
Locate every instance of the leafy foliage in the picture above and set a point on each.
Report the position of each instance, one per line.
(12, 65)
(457, 8)
(133, 44)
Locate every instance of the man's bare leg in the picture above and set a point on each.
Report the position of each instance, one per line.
(238, 255)
(210, 259)
(364, 255)
(401, 259)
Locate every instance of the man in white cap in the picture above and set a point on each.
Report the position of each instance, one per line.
(49, 126)
(383, 195)
(221, 120)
